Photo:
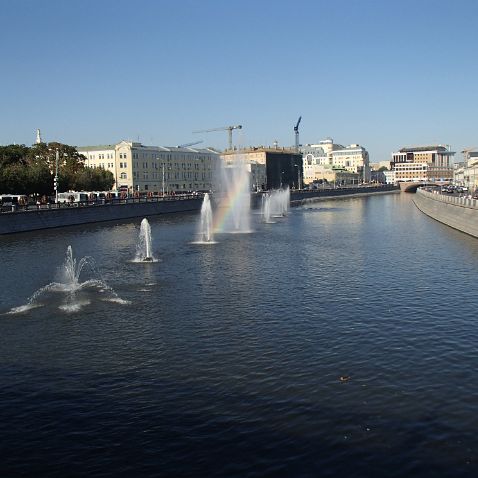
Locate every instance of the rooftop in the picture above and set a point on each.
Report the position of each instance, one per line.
(419, 149)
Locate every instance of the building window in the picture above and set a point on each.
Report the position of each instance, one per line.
(123, 176)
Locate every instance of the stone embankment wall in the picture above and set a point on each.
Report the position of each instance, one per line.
(45, 218)
(457, 212)
(31, 220)
(299, 198)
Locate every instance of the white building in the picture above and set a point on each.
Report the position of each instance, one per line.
(466, 173)
(390, 177)
(353, 158)
(136, 167)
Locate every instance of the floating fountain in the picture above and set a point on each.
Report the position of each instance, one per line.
(144, 251)
(266, 209)
(280, 200)
(234, 211)
(74, 292)
(205, 230)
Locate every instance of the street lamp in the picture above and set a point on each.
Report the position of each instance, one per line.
(55, 179)
(55, 182)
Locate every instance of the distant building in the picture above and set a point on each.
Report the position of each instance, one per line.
(466, 173)
(423, 163)
(459, 174)
(380, 165)
(390, 177)
(333, 175)
(378, 176)
(271, 168)
(414, 172)
(353, 158)
(136, 167)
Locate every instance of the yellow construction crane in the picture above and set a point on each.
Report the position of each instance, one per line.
(229, 129)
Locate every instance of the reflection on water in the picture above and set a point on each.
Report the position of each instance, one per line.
(230, 360)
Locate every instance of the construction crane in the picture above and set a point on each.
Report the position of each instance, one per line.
(190, 144)
(296, 131)
(229, 129)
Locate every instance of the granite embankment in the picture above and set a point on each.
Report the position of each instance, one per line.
(457, 212)
(33, 218)
(299, 198)
(46, 218)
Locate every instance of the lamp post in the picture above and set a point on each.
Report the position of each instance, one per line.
(162, 188)
(55, 181)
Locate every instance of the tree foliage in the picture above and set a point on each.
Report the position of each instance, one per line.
(31, 170)
(13, 154)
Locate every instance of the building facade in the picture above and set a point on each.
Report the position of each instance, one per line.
(423, 163)
(466, 172)
(334, 175)
(415, 172)
(155, 169)
(353, 158)
(390, 177)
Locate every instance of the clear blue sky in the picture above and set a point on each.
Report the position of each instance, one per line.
(384, 74)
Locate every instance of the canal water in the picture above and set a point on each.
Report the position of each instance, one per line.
(339, 341)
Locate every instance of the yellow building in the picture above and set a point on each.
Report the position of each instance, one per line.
(330, 174)
(156, 169)
(427, 163)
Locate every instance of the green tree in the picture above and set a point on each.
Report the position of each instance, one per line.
(70, 162)
(30, 170)
(13, 154)
(39, 179)
(13, 179)
(94, 179)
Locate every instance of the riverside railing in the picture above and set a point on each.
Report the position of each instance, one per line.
(463, 201)
(98, 202)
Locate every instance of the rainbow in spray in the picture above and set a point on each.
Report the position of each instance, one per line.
(234, 210)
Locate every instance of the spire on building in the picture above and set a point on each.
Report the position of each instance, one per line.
(38, 140)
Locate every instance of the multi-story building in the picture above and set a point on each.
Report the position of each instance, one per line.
(334, 175)
(353, 158)
(415, 172)
(423, 163)
(380, 165)
(459, 174)
(466, 172)
(137, 167)
(390, 177)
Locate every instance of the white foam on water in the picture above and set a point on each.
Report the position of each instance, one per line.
(22, 308)
(117, 300)
(74, 306)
